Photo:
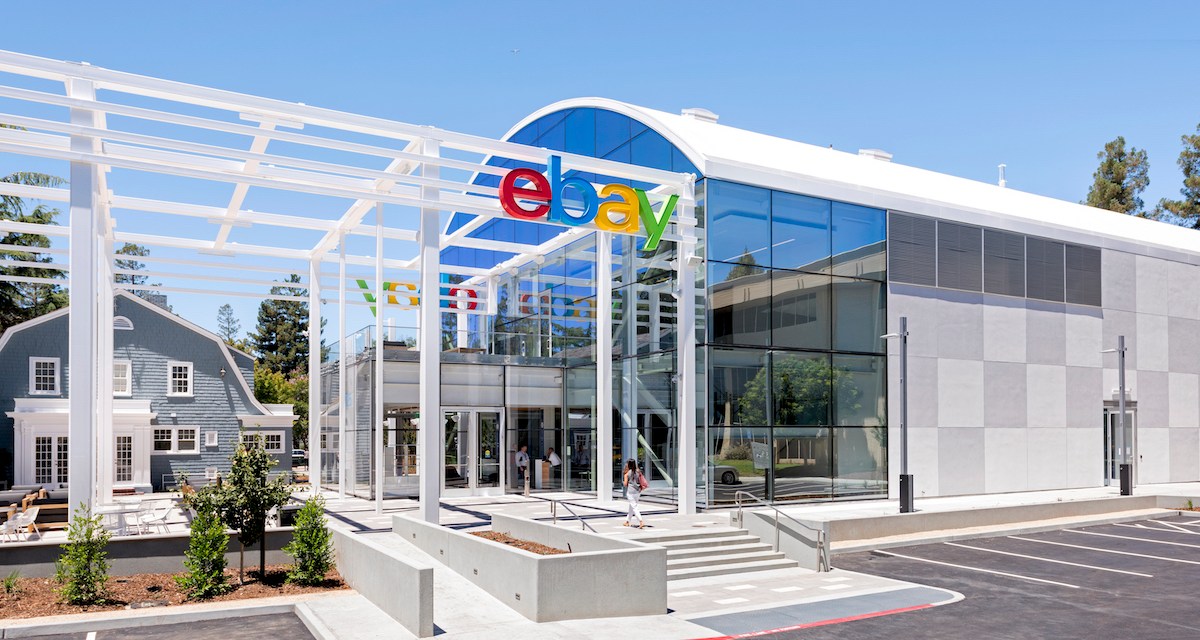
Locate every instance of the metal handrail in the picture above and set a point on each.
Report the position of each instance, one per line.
(554, 512)
(822, 548)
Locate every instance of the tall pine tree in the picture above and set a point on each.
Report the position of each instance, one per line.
(21, 301)
(1120, 179)
(1186, 212)
(228, 326)
(280, 338)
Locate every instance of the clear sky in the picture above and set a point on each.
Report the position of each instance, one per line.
(955, 87)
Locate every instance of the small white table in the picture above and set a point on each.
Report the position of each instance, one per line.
(119, 511)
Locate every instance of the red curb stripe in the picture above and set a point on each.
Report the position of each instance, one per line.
(822, 623)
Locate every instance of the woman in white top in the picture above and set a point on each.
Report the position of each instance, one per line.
(633, 491)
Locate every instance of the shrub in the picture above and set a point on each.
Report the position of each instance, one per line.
(205, 556)
(738, 452)
(12, 582)
(311, 545)
(82, 569)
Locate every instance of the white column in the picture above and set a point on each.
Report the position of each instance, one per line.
(604, 368)
(685, 318)
(377, 401)
(84, 352)
(314, 376)
(343, 393)
(429, 342)
(105, 436)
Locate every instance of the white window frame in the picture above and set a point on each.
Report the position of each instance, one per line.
(128, 365)
(175, 450)
(282, 449)
(34, 361)
(210, 439)
(191, 383)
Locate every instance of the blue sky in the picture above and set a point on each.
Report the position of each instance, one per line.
(956, 87)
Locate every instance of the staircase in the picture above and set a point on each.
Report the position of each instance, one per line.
(715, 552)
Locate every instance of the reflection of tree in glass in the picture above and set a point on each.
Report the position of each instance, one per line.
(746, 266)
(802, 393)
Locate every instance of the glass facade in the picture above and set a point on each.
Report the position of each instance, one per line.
(797, 368)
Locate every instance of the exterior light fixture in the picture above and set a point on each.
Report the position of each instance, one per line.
(222, 372)
(1125, 468)
(906, 479)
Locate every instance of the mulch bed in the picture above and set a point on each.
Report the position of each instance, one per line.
(504, 538)
(36, 597)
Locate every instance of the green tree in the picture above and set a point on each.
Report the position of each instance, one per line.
(82, 569)
(273, 387)
(21, 301)
(1120, 179)
(1186, 211)
(132, 264)
(205, 555)
(299, 402)
(746, 266)
(249, 495)
(312, 544)
(281, 338)
(228, 326)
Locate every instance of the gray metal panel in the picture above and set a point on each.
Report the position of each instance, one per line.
(1003, 263)
(911, 252)
(1083, 275)
(960, 256)
(1044, 269)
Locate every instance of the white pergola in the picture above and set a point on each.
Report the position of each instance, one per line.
(172, 166)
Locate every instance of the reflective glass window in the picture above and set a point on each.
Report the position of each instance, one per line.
(799, 232)
(859, 315)
(733, 464)
(800, 388)
(651, 150)
(581, 132)
(612, 131)
(739, 228)
(800, 310)
(859, 390)
(860, 461)
(802, 463)
(858, 241)
(739, 387)
(740, 299)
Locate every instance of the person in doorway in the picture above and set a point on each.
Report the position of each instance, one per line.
(555, 461)
(633, 490)
(522, 461)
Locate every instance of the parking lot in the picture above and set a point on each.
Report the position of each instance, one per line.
(250, 628)
(1137, 579)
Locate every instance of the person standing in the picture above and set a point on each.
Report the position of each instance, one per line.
(633, 480)
(522, 465)
(555, 462)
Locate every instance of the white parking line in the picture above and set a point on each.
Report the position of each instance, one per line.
(1151, 540)
(1143, 527)
(1120, 553)
(91, 635)
(1177, 528)
(998, 573)
(1073, 564)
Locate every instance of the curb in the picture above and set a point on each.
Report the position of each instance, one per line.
(131, 619)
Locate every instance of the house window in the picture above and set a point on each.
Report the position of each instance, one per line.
(122, 378)
(50, 459)
(43, 376)
(178, 440)
(124, 461)
(179, 381)
(61, 474)
(272, 440)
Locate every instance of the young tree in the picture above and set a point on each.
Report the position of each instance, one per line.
(1186, 212)
(1120, 178)
(249, 495)
(82, 569)
(205, 555)
(311, 545)
(228, 326)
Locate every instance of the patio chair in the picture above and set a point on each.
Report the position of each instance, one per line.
(8, 528)
(24, 521)
(156, 516)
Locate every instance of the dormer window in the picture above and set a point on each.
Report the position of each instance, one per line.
(43, 377)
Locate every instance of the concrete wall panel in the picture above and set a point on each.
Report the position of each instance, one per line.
(1005, 460)
(960, 393)
(1047, 458)
(1004, 389)
(961, 457)
(1047, 396)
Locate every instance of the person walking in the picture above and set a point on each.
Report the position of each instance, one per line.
(522, 460)
(633, 480)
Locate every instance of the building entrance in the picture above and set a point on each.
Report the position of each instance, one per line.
(1116, 442)
(474, 440)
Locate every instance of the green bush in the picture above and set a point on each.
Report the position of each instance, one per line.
(12, 582)
(740, 451)
(311, 545)
(205, 556)
(82, 569)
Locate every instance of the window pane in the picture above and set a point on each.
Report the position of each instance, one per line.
(733, 465)
(860, 390)
(651, 150)
(180, 379)
(803, 464)
(124, 459)
(740, 296)
(739, 228)
(43, 459)
(800, 310)
(800, 388)
(61, 474)
(187, 439)
(581, 132)
(162, 439)
(858, 241)
(860, 461)
(612, 131)
(799, 232)
(121, 384)
(739, 387)
(859, 315)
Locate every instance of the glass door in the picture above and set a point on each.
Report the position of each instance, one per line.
(1116, 443)
(487, 452)
(473, 451)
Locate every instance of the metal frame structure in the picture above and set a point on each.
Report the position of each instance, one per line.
(128, 139)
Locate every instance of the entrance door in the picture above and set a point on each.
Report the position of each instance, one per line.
(473, 451)
(1115, 441)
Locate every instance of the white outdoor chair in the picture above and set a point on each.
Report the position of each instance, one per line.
(23, 521)
(156, 517)
(8, 528)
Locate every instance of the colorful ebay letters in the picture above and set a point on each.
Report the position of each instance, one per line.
(616, 207)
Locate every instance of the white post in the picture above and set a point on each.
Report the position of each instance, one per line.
(685, 330)
(314, 376)
(105, 437)
(377, 411)
(602, 457)
(429, 342)
(84, 353)
(343, 393)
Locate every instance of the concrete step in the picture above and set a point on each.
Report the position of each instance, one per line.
(698, 552)
(700, 543)
(728, 569)
(683, 536)
(730, 558)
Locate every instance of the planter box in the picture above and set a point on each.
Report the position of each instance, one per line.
(602, 577)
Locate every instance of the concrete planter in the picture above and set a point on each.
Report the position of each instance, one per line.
(601, 577)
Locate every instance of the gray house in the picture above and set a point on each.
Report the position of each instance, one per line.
(181, 397)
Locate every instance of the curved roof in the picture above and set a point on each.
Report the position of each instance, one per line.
(724, 152)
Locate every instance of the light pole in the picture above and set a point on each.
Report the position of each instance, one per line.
(906, 479)
(1126, 469)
